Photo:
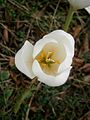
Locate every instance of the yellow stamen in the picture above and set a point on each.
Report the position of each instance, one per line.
(46, 59)
(49, 55)
(41, 56)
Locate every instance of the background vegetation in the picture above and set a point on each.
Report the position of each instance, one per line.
(24, 99)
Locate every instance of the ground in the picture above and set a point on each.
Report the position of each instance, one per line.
(22, 98)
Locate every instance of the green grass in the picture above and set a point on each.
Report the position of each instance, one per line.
(31, 20)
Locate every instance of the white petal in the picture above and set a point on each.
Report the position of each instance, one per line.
(48, 79)
(62, 78)
(62, 38)
(66, 62)
(23, 59)
(88, 9)
(79, 4)
(40, 44)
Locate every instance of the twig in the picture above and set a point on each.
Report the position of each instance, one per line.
(83, 82)
(21, 7)
(80, 19)
(56, 7)
(27, 36)
(9, 31)
(4, 56)
(7, 48)
(30, 102)
(54, 13)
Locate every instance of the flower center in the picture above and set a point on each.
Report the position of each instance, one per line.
(50, 58)
(47, 61)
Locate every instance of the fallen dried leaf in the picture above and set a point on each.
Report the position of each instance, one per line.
(11, 61)
(77, 62)
(86, 43)
(76, 30)
(5, 34)
(86, 68)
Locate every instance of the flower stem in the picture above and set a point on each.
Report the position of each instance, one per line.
(69, 18)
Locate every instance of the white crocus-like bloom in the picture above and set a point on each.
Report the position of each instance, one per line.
(49, 59)
(79, 4)
(88, 9)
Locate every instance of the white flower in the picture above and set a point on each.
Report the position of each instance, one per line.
(79, 4)
(49, 59)
(88, 9)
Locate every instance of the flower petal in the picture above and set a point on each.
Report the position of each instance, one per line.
(88, 9)
(67, 61)
(79, 4)
(48, 79)
(62, 78)
(62, 38)
(23, 59)
(40, 44)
